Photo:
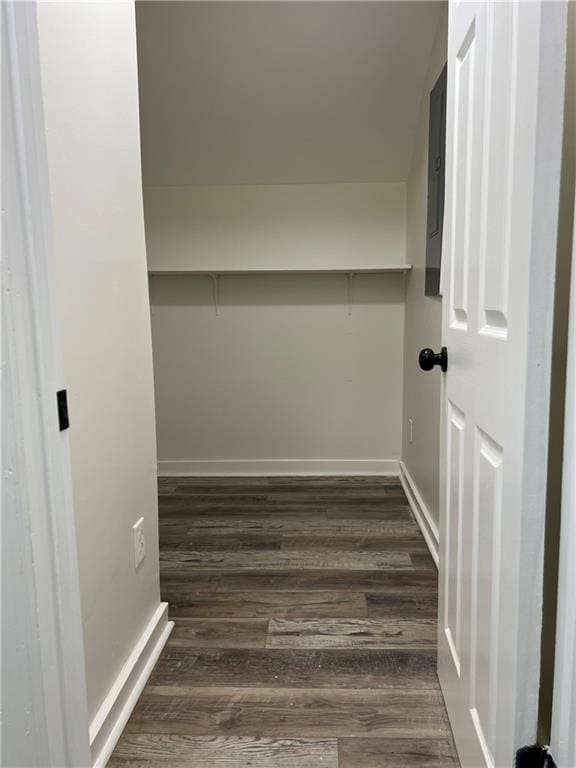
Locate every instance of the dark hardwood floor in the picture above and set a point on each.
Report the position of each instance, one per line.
(305, 633)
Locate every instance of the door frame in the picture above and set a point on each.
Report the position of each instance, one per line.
(563, 738)
(45, 705)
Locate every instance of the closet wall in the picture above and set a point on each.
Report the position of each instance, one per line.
(285, 227)
(89, 83)
(277, 137)
(423, 314)
(284, 372)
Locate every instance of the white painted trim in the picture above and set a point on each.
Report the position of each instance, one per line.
(382, 269)
(271, 467)
(563, 740)
(45, 715)
(112, 716)
(421, 512)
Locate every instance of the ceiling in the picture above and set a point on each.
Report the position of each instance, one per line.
(281, 92)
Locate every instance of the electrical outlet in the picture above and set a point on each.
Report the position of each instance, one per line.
(139, 542)
(410, 430)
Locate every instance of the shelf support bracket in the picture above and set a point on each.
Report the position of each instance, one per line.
(350, 280)
(215, 277)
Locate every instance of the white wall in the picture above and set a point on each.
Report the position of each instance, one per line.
(88, 57)
(43, 719)
(277, 93)
(423, 314)
(289, 226)
(284, 371)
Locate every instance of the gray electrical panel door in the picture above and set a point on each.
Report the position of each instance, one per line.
(436, 163)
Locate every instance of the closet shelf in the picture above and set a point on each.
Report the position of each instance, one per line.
(397, 268)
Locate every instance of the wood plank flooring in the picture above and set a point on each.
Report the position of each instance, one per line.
(305, 633)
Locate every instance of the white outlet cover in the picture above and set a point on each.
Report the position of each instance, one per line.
(139, 542)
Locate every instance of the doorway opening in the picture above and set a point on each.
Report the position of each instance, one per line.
(285, 175)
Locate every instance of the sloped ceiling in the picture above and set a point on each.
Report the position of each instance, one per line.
(281, 92)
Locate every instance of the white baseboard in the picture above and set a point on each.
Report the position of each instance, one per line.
(110, 720)
(270, 467)
(421, 512)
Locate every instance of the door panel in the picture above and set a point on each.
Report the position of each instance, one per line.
(463, 133)
(504, 123)
(498, 170)
(485, 589)
(452, 621)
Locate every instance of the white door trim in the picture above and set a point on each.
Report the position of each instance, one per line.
(563, 741)
(44, 719)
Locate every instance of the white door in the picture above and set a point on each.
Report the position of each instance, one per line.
(504, 123)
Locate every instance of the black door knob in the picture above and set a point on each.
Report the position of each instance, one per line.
(427, 359)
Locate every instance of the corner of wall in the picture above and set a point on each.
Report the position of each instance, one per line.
(114, 712)
(89, 69)
(423, 315)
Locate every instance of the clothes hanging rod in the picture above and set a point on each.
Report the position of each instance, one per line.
(393, 268)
